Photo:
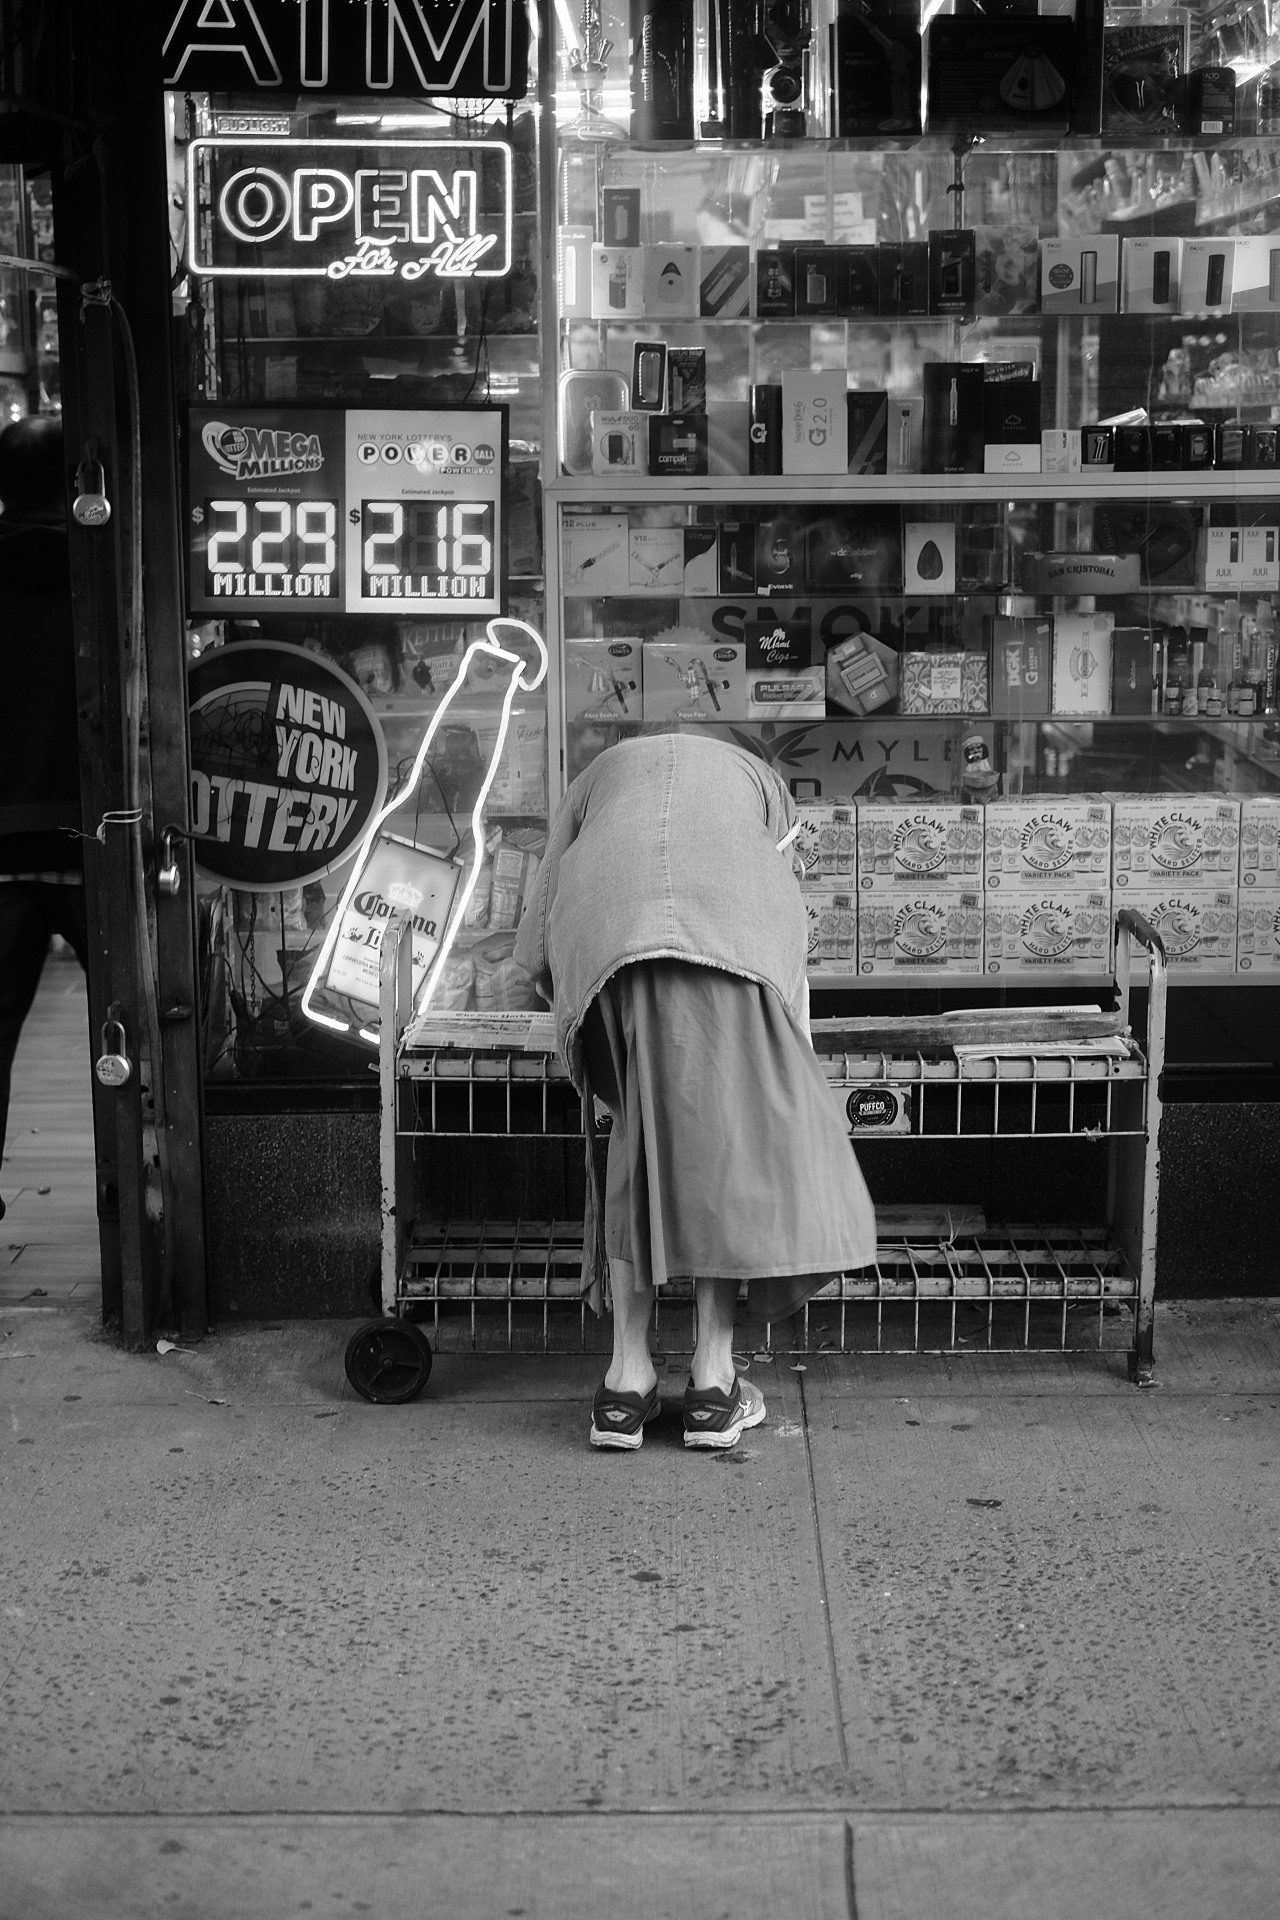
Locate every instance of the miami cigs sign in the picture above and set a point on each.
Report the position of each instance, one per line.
(393, 209)
(475, 48)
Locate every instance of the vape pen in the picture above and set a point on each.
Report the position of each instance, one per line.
(648, 376)
(1214, 278)
(953, 405)
(662, 70)
(815, 288)
(1160, 278)
(618, 282)
(1273, 277)
(1088, 279)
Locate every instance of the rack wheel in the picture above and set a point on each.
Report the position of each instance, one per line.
(388, 1362)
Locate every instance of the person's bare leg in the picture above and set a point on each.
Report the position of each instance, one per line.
(712, 1364)
(632, 1369)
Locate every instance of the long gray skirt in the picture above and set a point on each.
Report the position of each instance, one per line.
(728, 1157)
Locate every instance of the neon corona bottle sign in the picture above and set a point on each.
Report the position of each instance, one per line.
(305, 208)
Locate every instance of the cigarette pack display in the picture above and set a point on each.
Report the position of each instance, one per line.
(620, 216)
(656, 559)
(1060, 450)
(858, 281)
(724, 284)
(832, 918)
(780, 555)
(701, 560)
(929, 556)
(1082, 662)
(775, 283)
(671, 282)
(1258, 932)
(868, 432)
(1144, 64)
(875, 67)
(817, 275)
(737, 556)
(944, 683)
(815, 423)
(983, 75)
(928, 843)
(1197, 925)
(953, 416)
(904, 440)
(1260, 840)
(595, 553)
(582, 394)
(1188, 841)
(602, 680)
(904, 278)
(1062, 843)
(617, 283)
(765, 429)
(952, 263)
(1021, 665)
(649, 376)
(1150, 275)
(677, 443)
(728, 437)
(925, 930)
(686, 380)
(573, 258)
(786, 694)
(1081, 274)
(620, 441)
(1133, 684)
(1208, 276)
(856, 547)
(1006, 271)
(826, 847)
(862, 674)
(1048, 930)
(1011, 426)
(700, 679)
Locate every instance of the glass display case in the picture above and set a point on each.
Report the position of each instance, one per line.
(916, 419)
(29, 367)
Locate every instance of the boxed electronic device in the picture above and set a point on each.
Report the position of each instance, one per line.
(781, 543)
(1208, 276)
(1255, 273)
(1258, 932)
(603, 680)
(620, 216)
(1049, 929)
(617, 283)
(702, 679)
(1150, 275)
(1011, 425)
(1021, 665)
(944, 683)
(1063, 842)
(1197, 925)
(923, 843)
(656, 560)
(817, 278)
(1080, 274)
(1185, 840)
(701, 561)
(921, 929)
(904, 437)
(875, 67)
(831, 915)
(724, 282)
(1133, 684)
(775, 283)
(815, 423)
(1060, 450)
(952, 264)
(677, 442)
(686, 380)
(573, 250)
(765, 429)
(1082, 662)
(648, 376)
(671, 282)
(988, 74)
(595, 553)
(1260, 840)
(868, 432)
(953, 416)
(856, 547)
(858, 281)
(929, 556)
(904, 278)
(620, 441)
(825, 850)
(1006, 270)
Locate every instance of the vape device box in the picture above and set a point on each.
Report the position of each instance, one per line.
(574, 246)
(728, 437)
(1150, 275)
(929, 556)
(671, 283)
(1133, 681)
(1006, 270)
(815, 423)
(1097, 449)
(1259, 566)
(856, 547)
(620, 441)
(952, 261)
(1008, 74)
(686, 380)
(775, 283)
(1260, 841)
(661, 72)
(737, 572)
(620, 216)
(1144, 66)
(1185, 840)
(1011, 426)
(703, 679)
(677, 443)
(656, 559)
(582, 394)
(724, 283)
(868, 432)
(780, 556)
(953, 416)
(701, 561)
(931, 930)
(1133, 449)
(875, 67)
(649, 376)
(1080, 275)
(862, 674)
(617, 283)
(904, 277)
(1021, 664)
(904, 439)
(1255, 273)
(1060, 450)
(1258, 932)
(1047, 930)
(1082, 662)
(816, 276)
(909, 843)
(1223, 549)
(858, 280)
(1208, 268)
(1210, 101)
(765, 430)
(1167, 443)
(595, 553)
(602, 680)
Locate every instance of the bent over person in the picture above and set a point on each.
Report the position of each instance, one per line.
(668, 930)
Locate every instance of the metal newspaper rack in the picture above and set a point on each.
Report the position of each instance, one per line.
(945, 1279)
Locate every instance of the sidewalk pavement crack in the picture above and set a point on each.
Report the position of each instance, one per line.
(822, 1586)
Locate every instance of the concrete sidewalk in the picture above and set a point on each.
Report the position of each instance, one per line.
(988, 1636)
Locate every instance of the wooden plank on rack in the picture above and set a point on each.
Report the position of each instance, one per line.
(934, 1033)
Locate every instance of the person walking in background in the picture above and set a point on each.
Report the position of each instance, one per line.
(667, 929)
(41, 873)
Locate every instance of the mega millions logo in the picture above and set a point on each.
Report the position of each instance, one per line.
(247, 453)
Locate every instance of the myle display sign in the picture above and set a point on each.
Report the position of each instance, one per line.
(288, 765)
(393, 210)
(478, 48)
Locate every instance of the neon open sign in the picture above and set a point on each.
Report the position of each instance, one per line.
(402, 209)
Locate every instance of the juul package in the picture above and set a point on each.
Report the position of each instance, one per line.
(1048, 844)
(1049, 930)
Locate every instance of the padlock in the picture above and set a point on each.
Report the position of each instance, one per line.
(168, 878)
(91, 507)
(113, 1066)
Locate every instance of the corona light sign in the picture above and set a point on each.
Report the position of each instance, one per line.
(475, 48)
(304, 208)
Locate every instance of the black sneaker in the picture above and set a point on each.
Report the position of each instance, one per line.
(619, 1419)
(714, 1420)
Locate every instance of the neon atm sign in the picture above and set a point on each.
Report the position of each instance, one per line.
(400, 209)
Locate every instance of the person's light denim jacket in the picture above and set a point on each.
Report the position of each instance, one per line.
(665, 847)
